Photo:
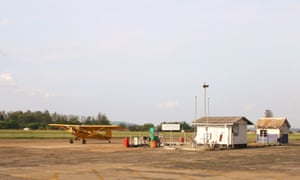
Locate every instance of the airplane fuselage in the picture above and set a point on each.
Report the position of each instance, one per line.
(82, 132)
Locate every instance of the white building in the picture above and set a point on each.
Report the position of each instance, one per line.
(272, 130)
(229, 131)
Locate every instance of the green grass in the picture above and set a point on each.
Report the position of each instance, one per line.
(34, 134)
(251, 138)
(61, 134)
(294, 136)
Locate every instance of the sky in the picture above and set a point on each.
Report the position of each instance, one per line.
(144, 61)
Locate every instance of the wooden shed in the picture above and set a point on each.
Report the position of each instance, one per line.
(226, 130)
(272, 130)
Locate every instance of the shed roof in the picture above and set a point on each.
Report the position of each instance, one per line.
(272, 122)
(221, 120)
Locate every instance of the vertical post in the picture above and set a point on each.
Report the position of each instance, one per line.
(170, 138)
(208, 99)
(228, 133)
(196, 113)
(204, 87)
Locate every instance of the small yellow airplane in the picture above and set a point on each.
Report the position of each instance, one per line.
(82, 132)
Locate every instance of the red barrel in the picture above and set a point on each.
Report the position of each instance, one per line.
(153, 144)
(181, 139)
(126, 142)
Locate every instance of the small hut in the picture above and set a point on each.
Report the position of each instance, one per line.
(272, 130)
(229, 131)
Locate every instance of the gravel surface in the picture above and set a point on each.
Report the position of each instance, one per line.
(57, 159)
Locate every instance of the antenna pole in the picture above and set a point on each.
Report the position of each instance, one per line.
(208, 99)
(196, 114)
(204, 87)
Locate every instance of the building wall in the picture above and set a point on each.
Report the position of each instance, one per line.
(273, 135)
(284, 134)
(242, 135)
(269, 131)
(221, 135)
(214, 134)
(270, 138)
(284, 130)
(284, 139)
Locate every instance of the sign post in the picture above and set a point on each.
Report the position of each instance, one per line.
(171, 128)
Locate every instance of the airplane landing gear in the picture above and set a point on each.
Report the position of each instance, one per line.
(71, 141)
(83, 141)
(109, 141)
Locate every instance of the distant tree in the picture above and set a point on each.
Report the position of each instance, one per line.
(186, 126)
(74, 120)
(60, 119)
(123, 125)
(11, 124)
(34, 125)
(147, 126)
(14, 120)
(133, 127)
(2, 115)
(89, 120)
(40, 120)
(136, 127)
(102, 119)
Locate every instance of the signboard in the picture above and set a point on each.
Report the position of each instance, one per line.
(170, 127)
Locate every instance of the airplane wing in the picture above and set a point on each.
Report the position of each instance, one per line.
(89, 127)
(62, 126)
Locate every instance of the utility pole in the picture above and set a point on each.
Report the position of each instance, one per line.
(195, 105)
(205, 86)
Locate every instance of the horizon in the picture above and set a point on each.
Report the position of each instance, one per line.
(115, 122)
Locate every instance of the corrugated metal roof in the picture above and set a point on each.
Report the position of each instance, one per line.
(221, 120)
(273, 122)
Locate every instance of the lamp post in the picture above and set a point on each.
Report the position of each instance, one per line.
(204, 87)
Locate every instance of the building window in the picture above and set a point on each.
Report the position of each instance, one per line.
(263, 133)
(235, 129)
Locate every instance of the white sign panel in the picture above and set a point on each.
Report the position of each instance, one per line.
(170, 127)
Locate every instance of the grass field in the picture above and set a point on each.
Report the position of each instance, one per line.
(34, 134)
(60, 134)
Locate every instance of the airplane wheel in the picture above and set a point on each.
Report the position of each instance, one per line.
(83, 141)
(109, 142)
(71, 141)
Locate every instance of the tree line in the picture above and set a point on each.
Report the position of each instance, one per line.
(40, 120)
(145, 127)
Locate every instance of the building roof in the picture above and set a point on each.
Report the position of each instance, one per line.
(273, 122)
(221, 120)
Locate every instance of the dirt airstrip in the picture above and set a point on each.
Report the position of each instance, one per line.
(57, 159)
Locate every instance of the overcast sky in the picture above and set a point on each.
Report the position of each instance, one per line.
(145, 61)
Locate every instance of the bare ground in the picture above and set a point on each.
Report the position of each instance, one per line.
(57, 159)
